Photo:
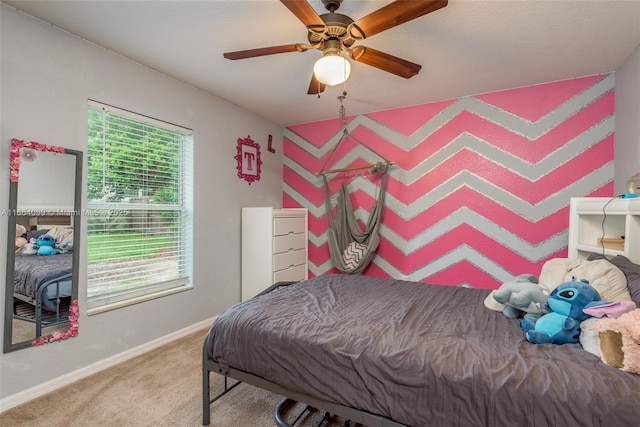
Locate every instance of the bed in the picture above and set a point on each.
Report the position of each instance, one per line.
(43, 286)
(385, 352)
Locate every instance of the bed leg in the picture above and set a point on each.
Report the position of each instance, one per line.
(38, 318)
(325, 417)
(206, 405)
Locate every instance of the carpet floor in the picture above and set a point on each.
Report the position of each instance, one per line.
(160, 388)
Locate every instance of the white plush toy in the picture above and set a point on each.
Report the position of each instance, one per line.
(21, 242)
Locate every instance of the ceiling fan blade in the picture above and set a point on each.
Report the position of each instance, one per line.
(392, 15)
(304, 12)
(385, 62)
(251, 53)
(315, 87)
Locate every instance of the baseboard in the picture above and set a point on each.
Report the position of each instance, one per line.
(63, 380)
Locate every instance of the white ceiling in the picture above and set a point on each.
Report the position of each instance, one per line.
(468, 47)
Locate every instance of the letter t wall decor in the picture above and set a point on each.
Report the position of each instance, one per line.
(248, 158)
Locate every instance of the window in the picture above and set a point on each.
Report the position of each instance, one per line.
(140, 199)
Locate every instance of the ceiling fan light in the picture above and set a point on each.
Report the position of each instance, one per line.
(332, 70)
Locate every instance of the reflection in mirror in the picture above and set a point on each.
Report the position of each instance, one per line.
(42, 266)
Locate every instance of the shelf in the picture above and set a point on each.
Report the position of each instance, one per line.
(595, 218)
(594, 206)
(598, 250)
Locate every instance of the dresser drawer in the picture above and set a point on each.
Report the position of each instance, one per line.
(291, 274)
(289, 242)
(284, 226)
(274, 247)
(289, 259)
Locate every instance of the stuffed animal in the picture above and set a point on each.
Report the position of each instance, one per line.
(562, 324)
(521, 296)
(620, 341)
(64, 245)
(45, 245)
(29, 248)
(21, 242)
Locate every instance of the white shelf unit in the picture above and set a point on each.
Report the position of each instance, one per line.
(619, 217)
(274, 248)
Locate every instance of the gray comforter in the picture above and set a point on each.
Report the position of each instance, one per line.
(33, 271)
(422, 355)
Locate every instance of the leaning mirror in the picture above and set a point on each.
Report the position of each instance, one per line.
(41, 295)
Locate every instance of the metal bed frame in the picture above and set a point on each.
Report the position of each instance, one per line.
(290, 397)
(32, 309)
(209, 366)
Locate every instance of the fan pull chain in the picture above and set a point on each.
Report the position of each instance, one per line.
(342, 113)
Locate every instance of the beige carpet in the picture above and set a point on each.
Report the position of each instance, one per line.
(26, 331)
(160, 388)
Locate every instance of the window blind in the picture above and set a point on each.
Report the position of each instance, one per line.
(140, 200)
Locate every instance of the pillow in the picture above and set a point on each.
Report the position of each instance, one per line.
(589, 337)
(631, 272)
(61, 233)
(35, 234)
(353, 254)
(556, 271)
(605, 277)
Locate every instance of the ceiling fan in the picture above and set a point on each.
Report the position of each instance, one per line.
(334, 33)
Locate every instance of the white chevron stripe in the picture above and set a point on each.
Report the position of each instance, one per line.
(462, 253)
(464, 215)
(534, 213)
(528, 170)
(552, 119)
(491, 113)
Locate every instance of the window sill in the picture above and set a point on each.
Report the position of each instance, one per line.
(137, 300)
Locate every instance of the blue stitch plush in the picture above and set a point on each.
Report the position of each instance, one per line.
(45, 245)
(565, 305)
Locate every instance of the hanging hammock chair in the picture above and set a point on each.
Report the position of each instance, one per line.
(351, 248)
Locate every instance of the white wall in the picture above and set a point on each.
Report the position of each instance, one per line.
(627, 108)
(46, 77)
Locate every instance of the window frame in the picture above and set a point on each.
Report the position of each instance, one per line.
(183, 209)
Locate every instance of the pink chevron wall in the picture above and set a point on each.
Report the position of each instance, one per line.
(481, 186)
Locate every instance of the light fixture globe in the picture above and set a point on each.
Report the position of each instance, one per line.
(332, 69)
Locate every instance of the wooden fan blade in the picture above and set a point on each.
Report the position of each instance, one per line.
(315, 87)
(250, 53)
(304, 12)
(385, 62)
(392, 15)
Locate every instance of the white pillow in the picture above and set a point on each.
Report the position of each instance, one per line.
(606, 278)
(589, 337)
(556, 271)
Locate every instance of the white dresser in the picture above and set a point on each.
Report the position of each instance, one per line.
(274, 248)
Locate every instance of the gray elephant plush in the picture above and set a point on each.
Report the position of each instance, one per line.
(520, 297)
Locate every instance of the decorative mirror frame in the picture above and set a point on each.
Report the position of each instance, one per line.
(249, 161)
(14, 172)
